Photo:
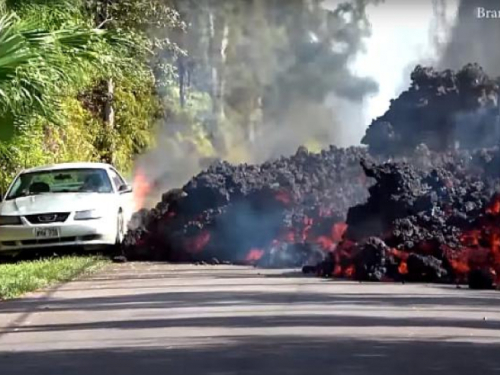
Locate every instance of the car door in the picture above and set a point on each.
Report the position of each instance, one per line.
(125, 195)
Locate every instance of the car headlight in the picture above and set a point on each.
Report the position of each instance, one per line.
(10, 220)
(88, 215)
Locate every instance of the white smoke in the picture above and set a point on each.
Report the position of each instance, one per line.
(404, 34)
(474, 39)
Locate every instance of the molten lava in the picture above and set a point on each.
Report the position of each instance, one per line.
(254, 255)
(494, 208)
(409, 207)
(338, 231)
(197, 244)
(283, 197)
(403, 268)
(142, 188)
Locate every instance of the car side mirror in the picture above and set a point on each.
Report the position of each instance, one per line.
(1, 197)
(125, 189)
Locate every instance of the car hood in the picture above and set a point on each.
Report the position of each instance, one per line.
(62, 202)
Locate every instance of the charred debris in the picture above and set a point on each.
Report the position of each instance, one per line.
(418, 204)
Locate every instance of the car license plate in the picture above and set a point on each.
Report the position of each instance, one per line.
(47, 233)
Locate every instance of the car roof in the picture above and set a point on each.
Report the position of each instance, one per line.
(55, 167)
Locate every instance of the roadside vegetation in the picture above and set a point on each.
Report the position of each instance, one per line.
(94, 80)
(77, 80)
(28, 276)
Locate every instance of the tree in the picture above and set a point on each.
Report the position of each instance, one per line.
(131, 22)
(263, 60)
(35, 67)
(56, 60)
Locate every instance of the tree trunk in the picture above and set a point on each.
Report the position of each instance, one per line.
(218, 40)
(181, 71)
(109, 120)
(101, 10)
(219, 34)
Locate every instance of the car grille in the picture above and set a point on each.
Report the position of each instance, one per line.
(48, 218)
(54, 241)
(47, 241)
(51, 241)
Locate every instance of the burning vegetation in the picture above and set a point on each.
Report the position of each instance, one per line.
(421, 203)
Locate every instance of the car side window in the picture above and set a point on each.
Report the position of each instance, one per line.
(117, 180)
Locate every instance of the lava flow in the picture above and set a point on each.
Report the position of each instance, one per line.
(409, 207)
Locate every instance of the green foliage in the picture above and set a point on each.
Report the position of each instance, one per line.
(56, 57)
(24, 277)
(188, 123)
(262, 60)
(42, 143)
(37, 65)
(134, 14)
(94, 79)
(137, 110)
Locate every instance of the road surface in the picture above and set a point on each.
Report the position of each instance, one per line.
(221, 320)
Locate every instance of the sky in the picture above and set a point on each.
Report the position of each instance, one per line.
(403, 35)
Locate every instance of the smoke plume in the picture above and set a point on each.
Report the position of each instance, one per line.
(259, 80)
(474, 39)
(262, 78)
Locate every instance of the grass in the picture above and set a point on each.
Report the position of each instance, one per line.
(23, 277)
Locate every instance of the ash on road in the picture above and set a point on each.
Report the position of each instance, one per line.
(185, 319)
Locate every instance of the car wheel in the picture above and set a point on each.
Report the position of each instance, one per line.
(116, 249)
(120, 231)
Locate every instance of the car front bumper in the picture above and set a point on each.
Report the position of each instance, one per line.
(75, 233)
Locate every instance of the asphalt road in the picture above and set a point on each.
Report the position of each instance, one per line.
(163, 319)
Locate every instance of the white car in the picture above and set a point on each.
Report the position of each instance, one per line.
(73, 204)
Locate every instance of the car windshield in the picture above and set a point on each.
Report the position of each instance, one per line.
(61, 181)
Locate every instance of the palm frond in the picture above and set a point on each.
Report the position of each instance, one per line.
(37, 66)
(14, 49)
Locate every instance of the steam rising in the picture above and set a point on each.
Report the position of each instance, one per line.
(404, 34)
(474, 39)
(284, 74)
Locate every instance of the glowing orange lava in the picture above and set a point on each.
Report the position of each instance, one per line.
(254, 255)
(197, 244)
(338, 231)
(403, 268)
(494, 207)
(283, 197)
(142, 188)
(349, 272)
(326, 243)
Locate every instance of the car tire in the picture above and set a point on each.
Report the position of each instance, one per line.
(116, 249)
(120, 231)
